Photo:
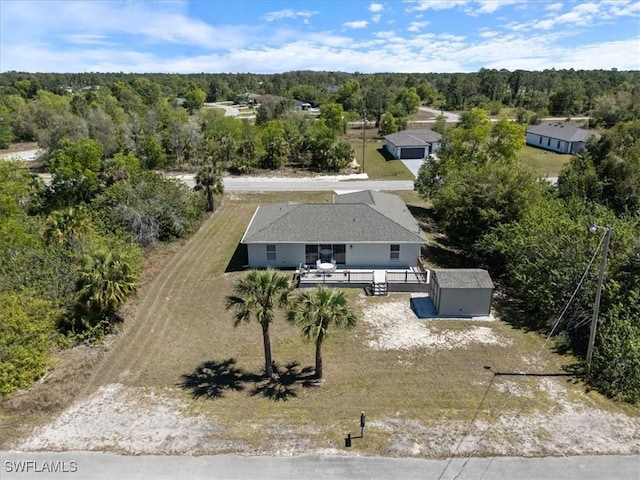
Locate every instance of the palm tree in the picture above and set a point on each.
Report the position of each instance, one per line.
(66, 226)
(257, 294)
(105, 281)
(209, 179)
(315, 310)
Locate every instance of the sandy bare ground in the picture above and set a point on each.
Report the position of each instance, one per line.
(138, 420)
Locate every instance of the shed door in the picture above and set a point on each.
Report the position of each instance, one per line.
(412, 153)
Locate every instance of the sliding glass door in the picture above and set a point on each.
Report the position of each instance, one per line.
(325, 253)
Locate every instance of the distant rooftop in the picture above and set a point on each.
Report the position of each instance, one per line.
(561, 132)
(414, 138)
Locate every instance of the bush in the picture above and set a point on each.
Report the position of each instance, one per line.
(27, 326)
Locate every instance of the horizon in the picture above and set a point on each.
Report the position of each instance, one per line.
(274, 37)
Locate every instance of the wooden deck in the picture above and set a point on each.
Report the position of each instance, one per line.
(362, 277)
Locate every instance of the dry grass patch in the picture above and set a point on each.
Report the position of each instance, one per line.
(422, 400)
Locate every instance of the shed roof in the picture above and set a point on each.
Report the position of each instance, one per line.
(413, 138)
(463, 278)
(362, 217)
(559, 131)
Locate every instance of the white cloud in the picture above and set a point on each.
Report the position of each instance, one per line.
(490, 6)
(139, 36)
(488, 34)
(287, 13)
(625, 9)
(376, 7)
(88, 39)
(376, 18)
(553, 7)
(136, 21)
(421, 5)
(356, 24)
(417, 26)
(581, 15)
(475, 7)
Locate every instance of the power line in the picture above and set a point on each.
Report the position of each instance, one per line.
(526, 373)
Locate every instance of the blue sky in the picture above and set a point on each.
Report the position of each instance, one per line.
(260, 36)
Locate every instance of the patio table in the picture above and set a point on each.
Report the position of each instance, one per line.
(326, 267)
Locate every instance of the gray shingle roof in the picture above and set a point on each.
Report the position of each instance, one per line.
(561, 132)
(353, 218)
(463, 278)
(413, 138)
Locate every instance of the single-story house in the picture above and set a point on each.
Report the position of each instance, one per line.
(366, 229)
(461, 292)
(300, 105)
(412, 144)
(558, 137)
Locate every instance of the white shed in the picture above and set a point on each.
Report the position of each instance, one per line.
(461, 292)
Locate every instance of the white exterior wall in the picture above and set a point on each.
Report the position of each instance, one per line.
(288, 255)
(463, 301)
(565, 147)
(395, 151)
(376, 255)
(363, 255)
(391, 148)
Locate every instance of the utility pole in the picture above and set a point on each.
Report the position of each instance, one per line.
(596, 304)
(364, 135)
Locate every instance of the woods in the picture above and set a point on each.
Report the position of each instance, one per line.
(535, 237)
(75, 247)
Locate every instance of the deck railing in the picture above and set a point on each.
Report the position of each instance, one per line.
(406, 276)
(312, 276)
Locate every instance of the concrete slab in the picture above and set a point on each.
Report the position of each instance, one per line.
(423, 307)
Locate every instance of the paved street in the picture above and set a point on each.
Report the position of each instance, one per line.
(26, 155)
(93, 466)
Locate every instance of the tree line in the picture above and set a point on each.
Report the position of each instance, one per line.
(534, 237)
(72, 251)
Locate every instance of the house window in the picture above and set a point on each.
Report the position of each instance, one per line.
(339, 253)
(558, 144)
(271, 252)
(311, 254)
(540, 142)
(394, 252)
(548, 142)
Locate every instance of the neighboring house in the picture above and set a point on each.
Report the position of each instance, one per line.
(558, 138)
(461, 292)
(412, 144)
(300, 105)
(363, 229)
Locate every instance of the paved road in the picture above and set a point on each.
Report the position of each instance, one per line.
(308, 184)
(285, 184)
(229, 111)
(26, 155)
(449, 117)
(92, 466)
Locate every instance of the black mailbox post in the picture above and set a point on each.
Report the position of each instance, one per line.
(362, 422)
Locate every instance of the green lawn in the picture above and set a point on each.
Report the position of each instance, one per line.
(379, 165)
(542, 162)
